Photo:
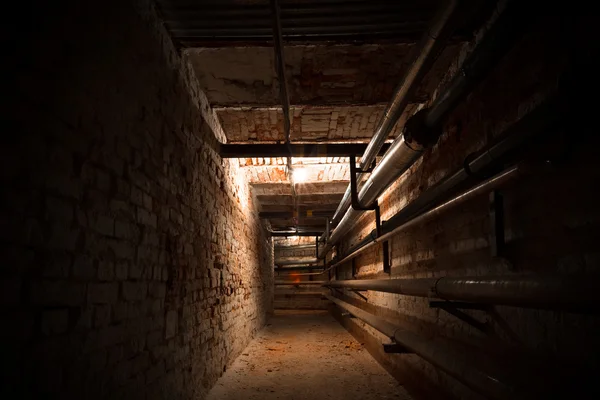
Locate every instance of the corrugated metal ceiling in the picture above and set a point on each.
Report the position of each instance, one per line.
(210, 23)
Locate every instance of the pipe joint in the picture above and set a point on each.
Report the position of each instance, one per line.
(418, 133)
(433, 291)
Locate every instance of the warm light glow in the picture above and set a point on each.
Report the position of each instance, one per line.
(299, 175)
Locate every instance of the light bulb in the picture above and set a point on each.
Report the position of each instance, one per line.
(299, 175)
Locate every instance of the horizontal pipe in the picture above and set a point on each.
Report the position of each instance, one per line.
(296, 150)
(292, 283)
(300, 274)
(389, 228)
(297, 247)
(291, 233)
(480, 374)
(514, 137)
(297, 262)
(529, 291)
(483, 188)
(300, 268)
(535, 122)
(382, 325)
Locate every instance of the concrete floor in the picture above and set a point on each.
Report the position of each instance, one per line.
(303, 355)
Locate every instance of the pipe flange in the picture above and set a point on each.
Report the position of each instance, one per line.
(416, 130)
(433, 292)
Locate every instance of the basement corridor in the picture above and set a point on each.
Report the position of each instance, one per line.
(302, 355)
(300, 200)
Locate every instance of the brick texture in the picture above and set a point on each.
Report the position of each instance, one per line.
(134, 264)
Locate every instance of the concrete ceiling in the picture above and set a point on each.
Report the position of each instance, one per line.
(316, 74)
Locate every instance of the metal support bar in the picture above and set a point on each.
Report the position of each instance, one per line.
(317, 247)
(377, 220)
(289, 233)
(280, 67)
(358, 293)
(453, 309)
(496, 224)
(296, 149)
(387, 267)
(293, 214)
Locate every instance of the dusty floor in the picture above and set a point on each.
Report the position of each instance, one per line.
(305, 355)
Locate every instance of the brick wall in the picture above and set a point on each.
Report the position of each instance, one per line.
(134, 264)
(299, 296)
(551, 219)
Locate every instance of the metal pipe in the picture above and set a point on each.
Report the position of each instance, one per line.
(536, 121)
(297, 247)
(292, 283)
(515, 136)
(423, 127)
(301, 274)
(529, 291)
(290, 233)
(477, 372)
(429, 47)
(383, 326)
(389, 228)
(297, 262)
(280, 67)
(397, 160)
(497, 41)
(300, 268)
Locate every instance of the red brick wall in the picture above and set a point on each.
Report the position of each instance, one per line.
(134, 263)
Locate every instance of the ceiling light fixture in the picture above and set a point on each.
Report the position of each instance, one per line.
(299, 175)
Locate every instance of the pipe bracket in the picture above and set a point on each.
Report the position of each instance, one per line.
(497, 240)
(453, 308)
(354, 170)
(358, 293)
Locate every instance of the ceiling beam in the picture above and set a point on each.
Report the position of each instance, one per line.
(295, 150)
(300, 214)
(301, 233)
